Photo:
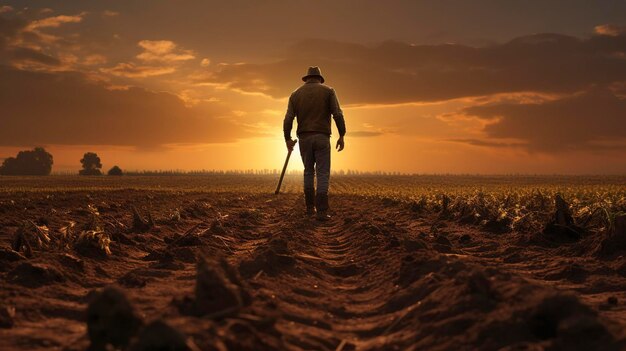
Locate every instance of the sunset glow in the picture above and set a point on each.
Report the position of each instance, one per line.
(158, 85)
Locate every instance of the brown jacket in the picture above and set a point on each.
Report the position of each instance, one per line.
(313, 104)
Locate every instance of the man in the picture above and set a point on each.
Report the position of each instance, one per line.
(313, 104)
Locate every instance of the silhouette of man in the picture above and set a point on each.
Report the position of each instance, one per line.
(313, 104)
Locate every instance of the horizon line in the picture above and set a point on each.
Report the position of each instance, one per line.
(341, 172)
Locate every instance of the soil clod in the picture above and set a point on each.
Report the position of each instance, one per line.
(272, 258)
(614, 240)
(141, 224)
(29, 237)
(562, 227)
(159, 335)
(216, 293)
(7, 316)
(111, 319)
(34, 275)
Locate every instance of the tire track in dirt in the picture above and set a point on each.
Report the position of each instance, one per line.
(339, 291)
(343, 273)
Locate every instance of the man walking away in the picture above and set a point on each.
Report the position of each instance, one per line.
(313, 104)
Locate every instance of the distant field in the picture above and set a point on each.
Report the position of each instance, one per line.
(402, 186)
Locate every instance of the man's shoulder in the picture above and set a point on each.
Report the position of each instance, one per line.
(298, 89)
(327, 87)
(312, 87)
(318, 86)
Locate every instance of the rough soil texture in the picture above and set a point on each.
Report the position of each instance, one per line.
(252, 272)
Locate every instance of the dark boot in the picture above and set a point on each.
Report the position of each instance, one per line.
(309, 199)
(321, 204)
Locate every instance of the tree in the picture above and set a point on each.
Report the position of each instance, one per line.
(31, 162)
(115, 171)
(91, 164)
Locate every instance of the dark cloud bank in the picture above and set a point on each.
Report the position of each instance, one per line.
(589, 116)
(594, 120)
(396, 72)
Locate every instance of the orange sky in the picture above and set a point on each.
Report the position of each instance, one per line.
(426, 88)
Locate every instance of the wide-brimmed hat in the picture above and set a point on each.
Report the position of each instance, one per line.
(313, 71)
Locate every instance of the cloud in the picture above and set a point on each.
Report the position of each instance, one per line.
(364, 134)
(610, 30)
(11, 29)
(163, 50)
(26, 44)
(65, 108)
(95, 59)
(205, 62)
(109, 13)
(487, 143)
(55, 21)
(592, 121)
(395, 72)
(5, 9)
(131, 70)
(29, 56)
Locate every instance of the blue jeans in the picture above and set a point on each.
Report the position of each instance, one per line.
(315, 153)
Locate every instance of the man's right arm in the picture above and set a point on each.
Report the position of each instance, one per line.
(289, 117)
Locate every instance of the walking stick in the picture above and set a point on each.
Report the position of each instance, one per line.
(282, 174)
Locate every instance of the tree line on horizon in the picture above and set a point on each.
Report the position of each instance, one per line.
(38, 162)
